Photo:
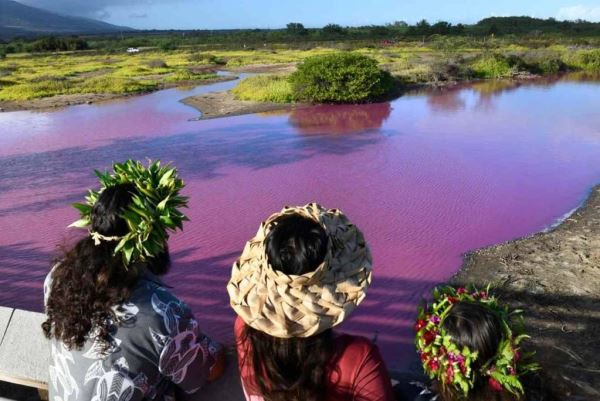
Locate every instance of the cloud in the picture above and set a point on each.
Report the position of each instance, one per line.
(136, 15)
(91, 8)
(579, 12)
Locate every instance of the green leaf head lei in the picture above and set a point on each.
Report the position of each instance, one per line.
(152, 213)
(451, 365)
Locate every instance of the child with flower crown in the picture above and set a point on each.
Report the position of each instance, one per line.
(470, 347)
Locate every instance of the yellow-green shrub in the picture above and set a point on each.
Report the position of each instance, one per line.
(264, 88)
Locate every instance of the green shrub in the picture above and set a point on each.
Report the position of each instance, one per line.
(492, 66)
(106, 84)
(586, 60)
(50, 86)
(551, 66)
(167, 45)
(187, 75)
(264, 88)
(340, 78)
(157, 63)
(206, 58)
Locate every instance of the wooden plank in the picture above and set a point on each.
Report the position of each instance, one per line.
(5, 315)
(25, 352)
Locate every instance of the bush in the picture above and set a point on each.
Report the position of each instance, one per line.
(54, 44)
(206, 58)
(157, 63)
(187, 75)
(167, 45)
(493, 66)
(587, 60)
(340, 78)
(114, 85)
(551, 66)
(264, 88)
(50, 86)
(2, 53)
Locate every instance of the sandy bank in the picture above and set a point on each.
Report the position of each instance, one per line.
(555, 278)
(58, 101)
(223, 104)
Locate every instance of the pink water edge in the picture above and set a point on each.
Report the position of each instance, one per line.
(427, 177)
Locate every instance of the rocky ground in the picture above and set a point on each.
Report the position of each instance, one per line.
(555, 278)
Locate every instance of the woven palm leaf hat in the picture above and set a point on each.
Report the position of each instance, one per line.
(287, 306)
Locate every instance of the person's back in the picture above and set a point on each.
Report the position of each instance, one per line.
(304, 272)
(116, 332)
(155, 342)
(355, 371)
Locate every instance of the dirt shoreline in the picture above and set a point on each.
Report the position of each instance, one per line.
(58, 101)
(554, 277)
(223, 104)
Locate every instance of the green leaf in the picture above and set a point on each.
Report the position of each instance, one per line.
(84, 208)
(163, 203)
(81, 223)
(166, 178)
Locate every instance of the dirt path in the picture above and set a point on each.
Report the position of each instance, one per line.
(555, 278)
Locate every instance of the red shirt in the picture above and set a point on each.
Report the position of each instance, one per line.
(359, 373)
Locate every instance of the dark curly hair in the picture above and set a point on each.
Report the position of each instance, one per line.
(293, 369)
(89, 280)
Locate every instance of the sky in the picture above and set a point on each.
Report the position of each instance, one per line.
(221, 14)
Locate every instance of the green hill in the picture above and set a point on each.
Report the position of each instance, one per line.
(17, 19)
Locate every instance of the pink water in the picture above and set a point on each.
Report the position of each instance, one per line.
(427, 177)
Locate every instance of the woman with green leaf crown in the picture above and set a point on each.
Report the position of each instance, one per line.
(470, 348)
(117, 332)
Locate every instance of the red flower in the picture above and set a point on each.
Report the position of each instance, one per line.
(452, 300)
(495, 385)
(434, 365)
(424, 356)
(463, 368)
(429, 337)
(461, 291)
(420, 324)
(483, 294)
(449, 375)
(517, 355)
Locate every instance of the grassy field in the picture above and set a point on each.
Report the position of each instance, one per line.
(28, 76)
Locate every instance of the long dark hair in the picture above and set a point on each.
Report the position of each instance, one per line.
(478, 328)
(90, 279)
(293, 369)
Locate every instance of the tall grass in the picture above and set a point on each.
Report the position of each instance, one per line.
(264, 88)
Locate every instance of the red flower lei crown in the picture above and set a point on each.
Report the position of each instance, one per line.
(445, 361)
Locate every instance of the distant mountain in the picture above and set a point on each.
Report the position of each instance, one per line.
(17, 19)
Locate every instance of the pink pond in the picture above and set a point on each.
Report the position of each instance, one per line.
(427, 177)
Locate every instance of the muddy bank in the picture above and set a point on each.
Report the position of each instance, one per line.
(59, 101)
(555, 278)
(223, 104)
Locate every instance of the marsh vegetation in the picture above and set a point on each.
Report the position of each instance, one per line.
(420, 54)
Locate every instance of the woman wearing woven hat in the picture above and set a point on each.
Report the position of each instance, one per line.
(117, 332)
(470, 347)
(304, 273)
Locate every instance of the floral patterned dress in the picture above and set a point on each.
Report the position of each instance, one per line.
(156, 350)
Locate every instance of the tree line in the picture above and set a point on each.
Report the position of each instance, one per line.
(297, 32)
